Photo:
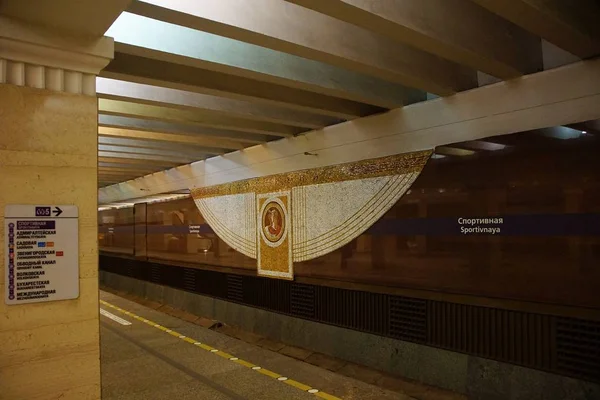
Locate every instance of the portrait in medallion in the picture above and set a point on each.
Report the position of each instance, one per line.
(273, 222)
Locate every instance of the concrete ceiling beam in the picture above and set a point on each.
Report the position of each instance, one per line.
(141, 124)
(457, 30)
(129, 65)
(152, 38)
(172, 138)
(571, 25)
(137, 162)
(155, 145)
(559, 96)
(144, 157)
(173, 98)
(119, 174)
(199, 118)
(136, 167)
(189, 157)
(142, 171)
(288, 28)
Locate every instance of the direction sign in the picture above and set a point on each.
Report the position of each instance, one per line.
(42, 253)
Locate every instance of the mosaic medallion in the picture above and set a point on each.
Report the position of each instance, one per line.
(273, 222)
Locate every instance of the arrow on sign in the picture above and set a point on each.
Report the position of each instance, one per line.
(57, 211)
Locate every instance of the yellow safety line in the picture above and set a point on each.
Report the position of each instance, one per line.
(227, 356)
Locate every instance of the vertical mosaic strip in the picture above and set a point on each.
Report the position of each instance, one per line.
(274, 235)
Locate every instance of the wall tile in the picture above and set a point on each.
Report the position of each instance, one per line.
(48, 155)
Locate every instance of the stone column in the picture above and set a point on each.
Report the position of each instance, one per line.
(48, 155)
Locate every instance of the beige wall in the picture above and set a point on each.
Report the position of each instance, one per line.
(48, 154)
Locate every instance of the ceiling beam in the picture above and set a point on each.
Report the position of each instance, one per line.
(559, 96)
(102, 183)
(453, 151)
(171, 137)
(124, 148)
(123, 172)
(148, 94)
(136, 68)
(457, 30)
(480, 145)
(150, 144)
(135, 162)
(570, 25)
(144, 157)
(136, 167)
(108, 182)
(292, 29)
(591, 127)
(113, 168)
(112, 179)
(189, 157)
(118, 178)
(119, 175)
(142, 124)
(195, 117)
(156, 39)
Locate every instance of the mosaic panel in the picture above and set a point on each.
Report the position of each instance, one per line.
(286, 218)
(274, 235)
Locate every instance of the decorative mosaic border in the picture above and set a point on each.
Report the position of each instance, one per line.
(391, 165)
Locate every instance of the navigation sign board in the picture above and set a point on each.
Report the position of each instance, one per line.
(42, 253)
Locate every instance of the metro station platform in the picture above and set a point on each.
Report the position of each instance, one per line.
(147, 354)
(286, 199)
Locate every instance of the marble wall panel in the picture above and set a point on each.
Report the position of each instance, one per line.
(48, 155)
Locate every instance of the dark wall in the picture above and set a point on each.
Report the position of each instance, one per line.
(545, 190)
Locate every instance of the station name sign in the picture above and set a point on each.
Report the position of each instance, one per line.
(42, 253)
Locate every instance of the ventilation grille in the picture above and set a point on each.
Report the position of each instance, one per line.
(515, 337)
(155, 273)
(267, 293)
(408, 319)
(560, 345)
(578, 348)
(302, 300)
(189, 280)
(235, 288)
(352, 309)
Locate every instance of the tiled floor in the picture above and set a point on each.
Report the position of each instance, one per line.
(150, 355)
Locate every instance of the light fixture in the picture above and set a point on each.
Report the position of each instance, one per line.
(584, 132)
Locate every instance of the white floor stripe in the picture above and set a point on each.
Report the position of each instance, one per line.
(114, 317)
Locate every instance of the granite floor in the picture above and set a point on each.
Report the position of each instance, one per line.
(148, 355)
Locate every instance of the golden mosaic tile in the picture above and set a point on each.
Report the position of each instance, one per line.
(391, 165)
(275, 258)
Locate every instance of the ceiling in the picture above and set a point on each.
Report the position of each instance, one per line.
(181, 194)
(192, 79)
(523, 142)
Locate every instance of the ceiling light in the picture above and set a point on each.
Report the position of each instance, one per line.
(482, 145)
(453, 151)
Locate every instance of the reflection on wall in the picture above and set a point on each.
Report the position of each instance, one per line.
(302, 215)
(547, 190)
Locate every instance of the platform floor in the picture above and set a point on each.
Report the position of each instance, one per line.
(149, 355)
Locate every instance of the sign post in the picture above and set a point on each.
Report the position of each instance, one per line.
(42, 253)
